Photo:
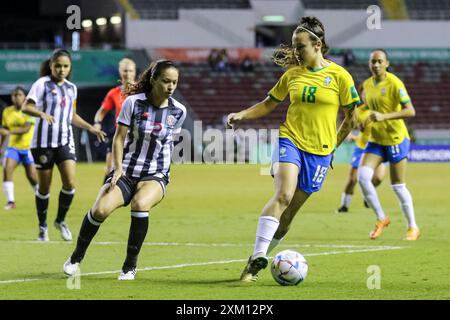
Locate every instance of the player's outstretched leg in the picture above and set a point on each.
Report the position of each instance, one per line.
(285, 179)
(107, 201)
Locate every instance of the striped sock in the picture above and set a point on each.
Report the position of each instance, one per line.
(65, 200)
(88, 229)
(138, 231)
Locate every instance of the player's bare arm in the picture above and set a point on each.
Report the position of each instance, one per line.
(346, 126)
(259, 110)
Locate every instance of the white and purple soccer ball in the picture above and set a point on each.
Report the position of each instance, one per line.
(289, 268)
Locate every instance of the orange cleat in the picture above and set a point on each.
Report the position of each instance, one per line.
(412, 234)
(379, 226)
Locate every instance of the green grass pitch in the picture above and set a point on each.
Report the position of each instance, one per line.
(203, 231)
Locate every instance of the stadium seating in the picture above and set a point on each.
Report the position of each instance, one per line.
(428, 10)
(215, 94)
(168, 9)
(338, 4)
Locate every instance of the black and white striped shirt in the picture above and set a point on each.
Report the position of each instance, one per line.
(149, 142)
(58, 101)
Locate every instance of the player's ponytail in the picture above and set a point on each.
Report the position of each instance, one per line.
(153, 71)
(45, 68)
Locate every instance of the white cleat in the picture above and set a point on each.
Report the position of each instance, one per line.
(43, 234)
(64, 229)
(70, 269)
(130, 275)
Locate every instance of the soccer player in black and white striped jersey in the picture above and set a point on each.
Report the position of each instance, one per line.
(52, 99)
(142, 151)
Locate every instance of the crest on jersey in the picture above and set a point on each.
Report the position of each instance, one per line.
(70, 92)
(171, 120)
(383, 91)
(327, 81)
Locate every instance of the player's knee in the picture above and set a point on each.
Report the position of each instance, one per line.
(140, 204)
(365, 174)
(69, 185)
(284, 198)
(100, 213)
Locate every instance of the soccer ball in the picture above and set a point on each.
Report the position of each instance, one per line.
(289, 268)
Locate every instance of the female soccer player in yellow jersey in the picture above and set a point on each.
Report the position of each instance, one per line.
(362, 112)
(317, 88)
(389, 103)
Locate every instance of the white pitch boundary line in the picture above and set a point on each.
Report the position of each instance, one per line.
(209, 263)
(191, 244)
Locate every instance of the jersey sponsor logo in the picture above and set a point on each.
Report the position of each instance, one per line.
(327, 81)
(157, 127)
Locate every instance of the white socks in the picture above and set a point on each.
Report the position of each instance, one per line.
(267, 226)
(8, 188)
(406, 203)
(365, 175)
(346, 199)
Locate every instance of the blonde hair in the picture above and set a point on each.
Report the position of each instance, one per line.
(126, 61)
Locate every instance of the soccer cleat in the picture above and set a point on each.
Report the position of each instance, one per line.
(128, 275)
(342, 209)
(43, 234)
(379, 226)
(10, 205)
(250, 273)
(412, 234)
(70, 269)
(366, 204)
(64, 229)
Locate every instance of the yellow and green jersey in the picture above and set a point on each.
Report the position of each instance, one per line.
(362, 113)
(385, 97)
(12, 118)
(315, 97)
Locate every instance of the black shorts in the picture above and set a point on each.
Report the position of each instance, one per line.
(45, 158)
(128, 184)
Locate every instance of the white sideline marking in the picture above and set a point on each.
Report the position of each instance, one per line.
(380, 248)
(191, 244)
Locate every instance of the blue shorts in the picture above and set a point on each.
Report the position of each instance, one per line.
(312, 168)
(392, 154)
(356, 157)
(20, 156)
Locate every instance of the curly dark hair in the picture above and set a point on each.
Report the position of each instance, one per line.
(153, 71)
(285, 57)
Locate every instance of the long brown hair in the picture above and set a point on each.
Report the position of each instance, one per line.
(285, 57)
(153, 71)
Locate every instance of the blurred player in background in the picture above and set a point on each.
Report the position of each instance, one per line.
(142, 151)
(389, 103)
(317, 88)
(52, 100)
(362, 112)
(19, 128)
(113, 100)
